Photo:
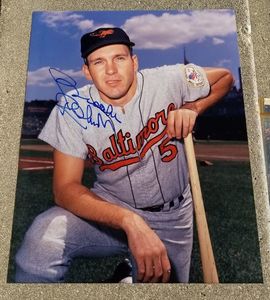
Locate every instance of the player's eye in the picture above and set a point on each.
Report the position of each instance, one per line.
(97, 62)
(120, 58)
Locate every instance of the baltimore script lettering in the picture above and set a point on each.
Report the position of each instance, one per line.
(122, 146)
(91, 112)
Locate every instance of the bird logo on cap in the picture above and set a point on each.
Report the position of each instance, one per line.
(103, 33)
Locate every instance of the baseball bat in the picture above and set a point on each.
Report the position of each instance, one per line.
(207, 257)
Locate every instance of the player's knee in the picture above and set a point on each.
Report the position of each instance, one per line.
(48, 227)
(43, 244)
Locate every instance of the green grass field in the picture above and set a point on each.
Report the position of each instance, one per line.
(228, 197)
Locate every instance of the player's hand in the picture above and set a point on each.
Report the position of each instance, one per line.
(181, 121)
(150, 254)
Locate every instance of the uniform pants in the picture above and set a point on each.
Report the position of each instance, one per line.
(57, 236)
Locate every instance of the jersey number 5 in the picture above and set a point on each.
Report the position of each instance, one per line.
(169, 149)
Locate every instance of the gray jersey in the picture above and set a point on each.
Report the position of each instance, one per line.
(135, 162)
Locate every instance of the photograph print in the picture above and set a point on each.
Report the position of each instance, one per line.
(103, 191)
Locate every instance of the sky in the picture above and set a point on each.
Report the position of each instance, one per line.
(208, 37)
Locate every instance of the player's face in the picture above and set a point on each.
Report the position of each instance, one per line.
(113, 71)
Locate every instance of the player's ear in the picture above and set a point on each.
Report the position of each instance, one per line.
(135, 62)
(86, 72)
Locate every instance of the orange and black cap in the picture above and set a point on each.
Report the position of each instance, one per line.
(101, 37)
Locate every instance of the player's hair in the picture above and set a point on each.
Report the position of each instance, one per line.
(130, 51)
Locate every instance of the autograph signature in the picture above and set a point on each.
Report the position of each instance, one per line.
(95, 113)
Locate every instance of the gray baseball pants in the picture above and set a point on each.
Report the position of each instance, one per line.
(57, 236)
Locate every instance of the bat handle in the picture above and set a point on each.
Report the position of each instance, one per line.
(207, 257)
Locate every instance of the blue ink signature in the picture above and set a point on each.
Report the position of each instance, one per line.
(95, 113)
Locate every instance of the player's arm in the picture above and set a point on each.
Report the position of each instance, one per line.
(144, 244)
(220, 81)
(181, 121)
(70, 194)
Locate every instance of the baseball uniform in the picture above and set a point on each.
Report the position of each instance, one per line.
(136, 164)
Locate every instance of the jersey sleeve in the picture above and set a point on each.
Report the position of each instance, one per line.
(194, 83)
(63, 133)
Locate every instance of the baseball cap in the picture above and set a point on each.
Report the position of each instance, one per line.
(102, 37)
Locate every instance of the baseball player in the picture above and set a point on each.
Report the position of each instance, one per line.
(130, 124)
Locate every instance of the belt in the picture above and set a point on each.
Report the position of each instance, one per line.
(157, 208)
